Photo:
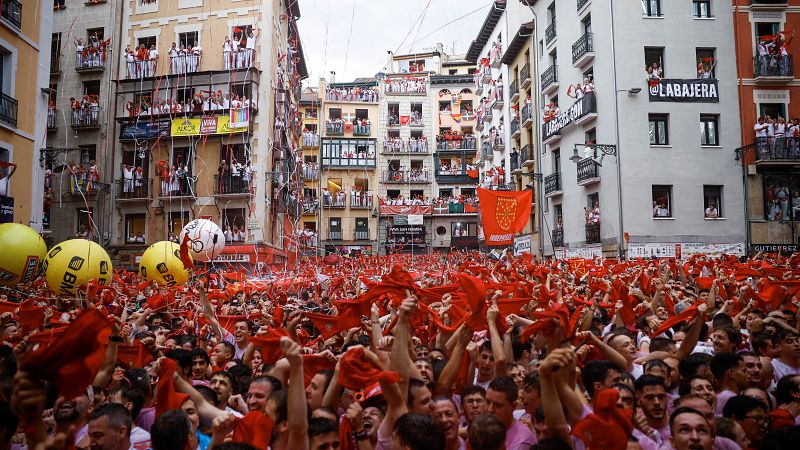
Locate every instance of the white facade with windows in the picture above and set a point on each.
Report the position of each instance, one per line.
(673, 137)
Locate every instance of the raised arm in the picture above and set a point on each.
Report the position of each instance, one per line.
(298, 407)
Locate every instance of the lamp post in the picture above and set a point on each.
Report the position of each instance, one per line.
(610, 150)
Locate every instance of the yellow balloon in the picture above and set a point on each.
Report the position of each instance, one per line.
(162, 262)
(74, 263)
(22, 253)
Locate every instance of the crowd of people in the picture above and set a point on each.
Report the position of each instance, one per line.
(83, 177)
(413, 144)
(406, 85)
(175, 179)
(90, 54)
(774, 55)
(354, 94)
(455, 140)
(310, 170)
(184, 59)
(85, 112)
(485, 351)
(777, 138)
(199, 103)
(310, 138)
(234, 177)
(416, 174)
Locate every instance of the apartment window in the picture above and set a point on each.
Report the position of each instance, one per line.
(184, 94)
(135, 228)
(362, 114)
(188, 39)
(334, 228)
(774, 110)
(709, 129)
(701, 8)
(766, 29)
(659, 129)
(88, 153)
(92, 88)
(712, 202)
(444, 193)
(655, 55)
(662, 201)
(706, 62)
(362, 224)
(99, 33)
(178, 220)
(233, 224)
(311, 113)
(651, 8)
(393, 193)
(590, 136)
(593, 200)
(452, 71)
(147, 41)
(463, 229)
(466, 107)
(335, 113)
(781, 192)
(55, 52)
(416, 114)
(444, 106)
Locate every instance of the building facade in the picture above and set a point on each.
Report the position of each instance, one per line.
(208, 125)
(656, 178)
(768, 83)
(24, 54)
(310, 106)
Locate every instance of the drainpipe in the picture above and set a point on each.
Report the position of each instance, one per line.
(739, 88)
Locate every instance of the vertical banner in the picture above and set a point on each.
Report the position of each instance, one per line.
(504, 213)
(6, 209)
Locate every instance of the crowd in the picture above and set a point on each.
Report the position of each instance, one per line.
(234, 177)
(235, 233)
(774, 55)
(199, 103)
(91, 53)
(310, 170)
(776, 138)
(355, 94)
(85, 111)
(406, 85)
(397, 174)
(464, 349)
(176, 179)
(307, 237)
(133, 181)
(184, 60)
(141, 62)
(310, 138)
(399, 145)
(83, 178)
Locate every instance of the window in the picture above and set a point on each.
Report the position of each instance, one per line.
(184, 94)
(335, 113)
(362, 224)
(92, 88)
(655, 55)
(393, 193)
(188, 40)
(238, 152)
(712, 202)
(147, 41)
(444, 106)
(348, 152)
(95, 32)
(658, 129)
(85, 217)
(766, 29)
(466, 106)
(335, 228)
(445, 193)
(662, 201)
(781, 196)
(233, 224)
(393, 109)
(701, 8)
(452, 71)
(311, 113)
(177, 220)
(55, 52)
(416, 114)
(362, 114)
(709, 129)
(88, 153)
(774, 110)
(706, 62)
(651, 8)
(590, 136)
(463, 229)
(593, 200)
(240, 33)
(135, 228)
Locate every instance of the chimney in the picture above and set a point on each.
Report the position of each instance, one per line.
(333, 77)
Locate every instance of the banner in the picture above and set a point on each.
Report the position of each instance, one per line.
(404, 120)
(580, 108)
(6, 209)
(522, 245)
(211, 125)
(143, 130)
(394, 210)
(692, 90)
(415, 219)
(408, 231)
(504, 213)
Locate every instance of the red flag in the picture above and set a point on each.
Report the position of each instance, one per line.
(327, 325)
(166, 396)
(313, 364)
(504, 213)
(608, 427)
(254, 429)
(184, 253)
(270, 345)
(355, 372)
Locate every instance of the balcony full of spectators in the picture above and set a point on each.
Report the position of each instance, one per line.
(496, 55)
(242, 58)
(141, 63)
(176, 182)
(496, 99)
(461, 204)
(410, 176)
(351, 95)
(361, 200)
(90, 56)
(334, 127)
(183, 62)
(397, 145)
(334, 200)
(85, 112)
(455, 140)
(130, 189)
(408, 85)
(459, 170)
(309, 205)
(310, 138)
(362, 127)
(310, 171)
(233, 184)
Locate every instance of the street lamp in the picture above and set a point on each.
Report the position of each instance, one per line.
(604, 150)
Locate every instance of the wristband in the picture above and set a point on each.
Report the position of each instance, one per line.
(115, 338)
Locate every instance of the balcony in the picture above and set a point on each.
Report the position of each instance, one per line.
(773, 69)
(89, 60)
(582, 3)
(334, 201)
(351, 95)
(497, 98)
(588, 172)
(79, 187)
(231, 186)
(525, 76)
(130, 190)
(179, 188)
(243, 58)
(552, 185)
(52, 119)
(360, 201)
(513, 90)
(456, 174)
(86, 118)
(347, 161)
(55, 65)
(11, 10)
(183, 64)
(414, 176)
(527, 115)
(514, 162)
(478, 84)
(139, 69)
(583, 51)
(486, 151)
(486, 75)
(310, 172)
(487, 116)
(515, 127)
(593, 233)
(334, 129)
(362, 130)
(776, 151)
(498, 145)
(406, 86)
(550, 32)
(8, 110)
(361, 235)
(310, 205)
(456, 144)
(558, 238)
(549, 80)
(526, 156)
(496, 55)
(334, 235)
(398, 146)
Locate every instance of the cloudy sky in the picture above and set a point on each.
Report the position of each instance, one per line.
(351, 37)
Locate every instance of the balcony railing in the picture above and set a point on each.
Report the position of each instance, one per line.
(593, 233)
(177, 186)
(86, 117)
(777, 149)
(514, 126)
(183, 64)
(8, 109)
(552, 183)
(525, 75)
(463, 144)
(487, 152)
(335, 235)
(334, 129)
(231, 185)
(406, 176)
(361, 235)
(11, 10)
(525, 154)
(401, 146)
(240, 59)
(587, 170)
(141, 69)
(360, 201)
(550, 32)
(513, 90)
(309, 205)
(362, 130)
(334, 201)
(133, 189)
(549, 76)
(582, 46)
(310, 172)
(582, 3)
(774, 66)
(90, 59)
(558, 238)
(527, 113)
(354, 95)
(52, 119)
(514, 160)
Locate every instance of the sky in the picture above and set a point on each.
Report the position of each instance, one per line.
(352, 37)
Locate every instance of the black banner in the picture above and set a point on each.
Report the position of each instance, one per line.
(143, 130)
(699, 90)
(407, 231)
(580, 108)
(6, 209)
(774, 248)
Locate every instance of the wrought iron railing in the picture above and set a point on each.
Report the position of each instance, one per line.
(582, 46)
(593, 233)
(552, 183)
(587, 169)
(549, 76)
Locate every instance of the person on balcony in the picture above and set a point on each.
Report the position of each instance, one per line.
(711, 212)
(139, 187)
(227, 53)
(80, 51)
(194, 58)
(705, 68)
(142, 56)
(784, 54)
(593, 215)
(764, 48)
(175, 61)
(761, 128)
(152, 60)
(780, 138)
(250, 49)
